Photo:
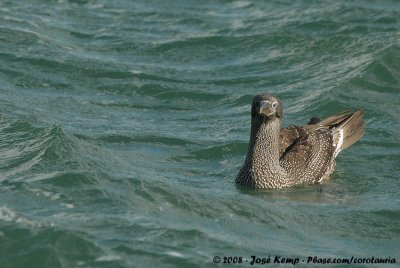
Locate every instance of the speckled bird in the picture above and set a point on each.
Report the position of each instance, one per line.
(278, 158)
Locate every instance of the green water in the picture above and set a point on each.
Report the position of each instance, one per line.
(124, 123)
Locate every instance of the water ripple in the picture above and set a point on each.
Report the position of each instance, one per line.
(123, 125)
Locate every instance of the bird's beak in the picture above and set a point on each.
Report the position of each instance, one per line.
(266, 108)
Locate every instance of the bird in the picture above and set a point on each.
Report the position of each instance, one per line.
(278, 158)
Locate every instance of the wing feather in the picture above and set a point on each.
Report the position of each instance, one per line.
(309, 157)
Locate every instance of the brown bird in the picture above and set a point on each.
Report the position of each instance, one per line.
(285, 157)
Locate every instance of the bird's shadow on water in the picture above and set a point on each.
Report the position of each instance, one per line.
(329, 192)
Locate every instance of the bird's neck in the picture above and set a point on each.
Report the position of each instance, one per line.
(262, 168)
(264, 144)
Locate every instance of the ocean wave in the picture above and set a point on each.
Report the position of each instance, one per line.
(125, 123)
(382, 74)
(29, 150)
(10, 216)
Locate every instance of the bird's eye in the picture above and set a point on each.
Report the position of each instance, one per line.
(274, 104)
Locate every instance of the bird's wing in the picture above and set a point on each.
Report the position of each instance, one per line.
(309, 157)
(289, 136)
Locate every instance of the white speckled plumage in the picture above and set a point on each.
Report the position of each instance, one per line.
(279, 158)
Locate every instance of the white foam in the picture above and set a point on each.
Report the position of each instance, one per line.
(174, 254)
(47, 194)
(9, 215)
(136, 72)
(108, 258)
(241, 4)
(67, 205)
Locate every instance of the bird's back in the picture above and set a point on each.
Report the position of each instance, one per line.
(308, 153)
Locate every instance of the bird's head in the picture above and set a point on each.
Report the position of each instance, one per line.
(266, 106)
